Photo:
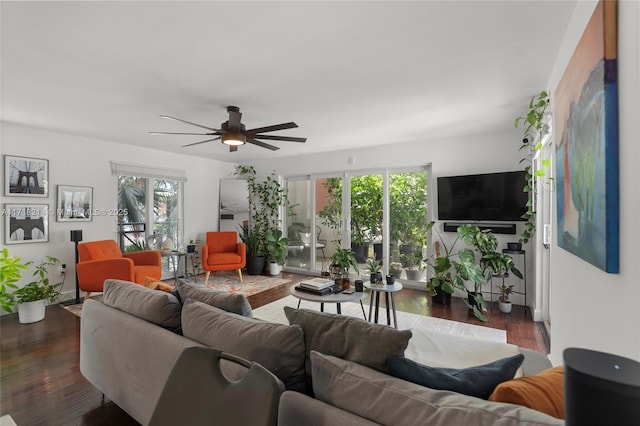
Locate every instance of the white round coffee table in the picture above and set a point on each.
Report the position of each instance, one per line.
(387, 290)
(336, 298)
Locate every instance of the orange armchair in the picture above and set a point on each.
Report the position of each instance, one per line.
(223, 252)
(101, 260)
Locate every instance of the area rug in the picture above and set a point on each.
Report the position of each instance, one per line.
(250, 285)
(274, 312)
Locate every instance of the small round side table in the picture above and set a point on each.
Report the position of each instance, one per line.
(388, 290)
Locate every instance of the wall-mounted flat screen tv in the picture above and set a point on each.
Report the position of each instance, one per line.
(489, 196)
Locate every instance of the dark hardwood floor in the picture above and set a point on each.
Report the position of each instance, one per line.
(40, 381)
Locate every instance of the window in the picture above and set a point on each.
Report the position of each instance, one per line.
(150, 200)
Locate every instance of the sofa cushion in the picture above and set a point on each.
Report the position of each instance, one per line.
(543, 392)
(391, 401)
(478, 381)
(235, 303)
(349, 338)
(277, 347)
(157, 307)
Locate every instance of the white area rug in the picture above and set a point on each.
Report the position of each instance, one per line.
(274, 312)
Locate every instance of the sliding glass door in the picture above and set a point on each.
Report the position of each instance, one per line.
(380, 214)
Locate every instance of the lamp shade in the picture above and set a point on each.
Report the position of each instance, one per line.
(600, 388)
(76, 235)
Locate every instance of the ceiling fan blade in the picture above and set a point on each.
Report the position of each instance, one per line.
(198, 143)
(172, 133)
(188, 122)
(282, 138)
(283, 126)
(233, 148)
(262, 144)
(234, 116)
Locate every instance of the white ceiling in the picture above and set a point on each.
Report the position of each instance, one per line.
(350, 74)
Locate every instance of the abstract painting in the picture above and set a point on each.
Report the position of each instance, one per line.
(586, 141)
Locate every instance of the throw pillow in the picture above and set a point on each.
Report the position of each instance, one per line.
(543, 392)
(157, 307)
(348, 338)
(387, 400)
(236, 303)
(479, 381)
(277, 347)
(154, 284)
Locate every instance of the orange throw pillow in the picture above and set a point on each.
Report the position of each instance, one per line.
(543, 392)
(153, 284)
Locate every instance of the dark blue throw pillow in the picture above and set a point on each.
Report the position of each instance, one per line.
(479, 381)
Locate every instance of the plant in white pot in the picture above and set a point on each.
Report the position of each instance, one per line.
(503, 301)
(33, 297)
(276, 246)
(10, 273)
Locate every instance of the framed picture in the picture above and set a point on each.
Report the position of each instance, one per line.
(74, 203)
(26, 177)
(586, 129)
(26, 223)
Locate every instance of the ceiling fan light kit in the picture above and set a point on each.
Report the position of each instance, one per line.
(233, 133)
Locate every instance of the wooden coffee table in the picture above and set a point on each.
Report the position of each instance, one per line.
(336, 298)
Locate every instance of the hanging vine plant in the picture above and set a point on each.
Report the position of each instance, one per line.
(534, 129)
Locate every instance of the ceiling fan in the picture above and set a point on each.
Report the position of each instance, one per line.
(233, 133)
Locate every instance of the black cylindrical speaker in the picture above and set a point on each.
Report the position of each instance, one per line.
(600, 388)
(76, 235)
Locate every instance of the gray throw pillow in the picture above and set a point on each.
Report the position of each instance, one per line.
(277, 347)
(348, 338)
(479, 381)
(157, 307)
(236, 303)
(387, 400)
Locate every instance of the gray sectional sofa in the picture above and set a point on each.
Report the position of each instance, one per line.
(334, 368)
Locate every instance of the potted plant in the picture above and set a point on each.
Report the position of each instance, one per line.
(503, 301)
(374, 270)
(32, 298)
(342, 261)
(414, 264)
(255, 260)
(276, 247)
(395, 269)
(191, 247)
(452, 270)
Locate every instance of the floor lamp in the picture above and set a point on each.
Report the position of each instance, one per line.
(76, 237)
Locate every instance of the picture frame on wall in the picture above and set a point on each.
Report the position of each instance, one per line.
(26, 223)
(74, 203)
(26, 176)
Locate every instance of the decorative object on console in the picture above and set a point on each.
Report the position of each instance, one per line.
(26, 177)
(26, 223)
(75, 203)
(586, 125)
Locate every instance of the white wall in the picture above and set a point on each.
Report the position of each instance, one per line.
(75, 160)
(590, 308)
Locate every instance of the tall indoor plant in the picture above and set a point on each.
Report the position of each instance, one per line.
(266, 198)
